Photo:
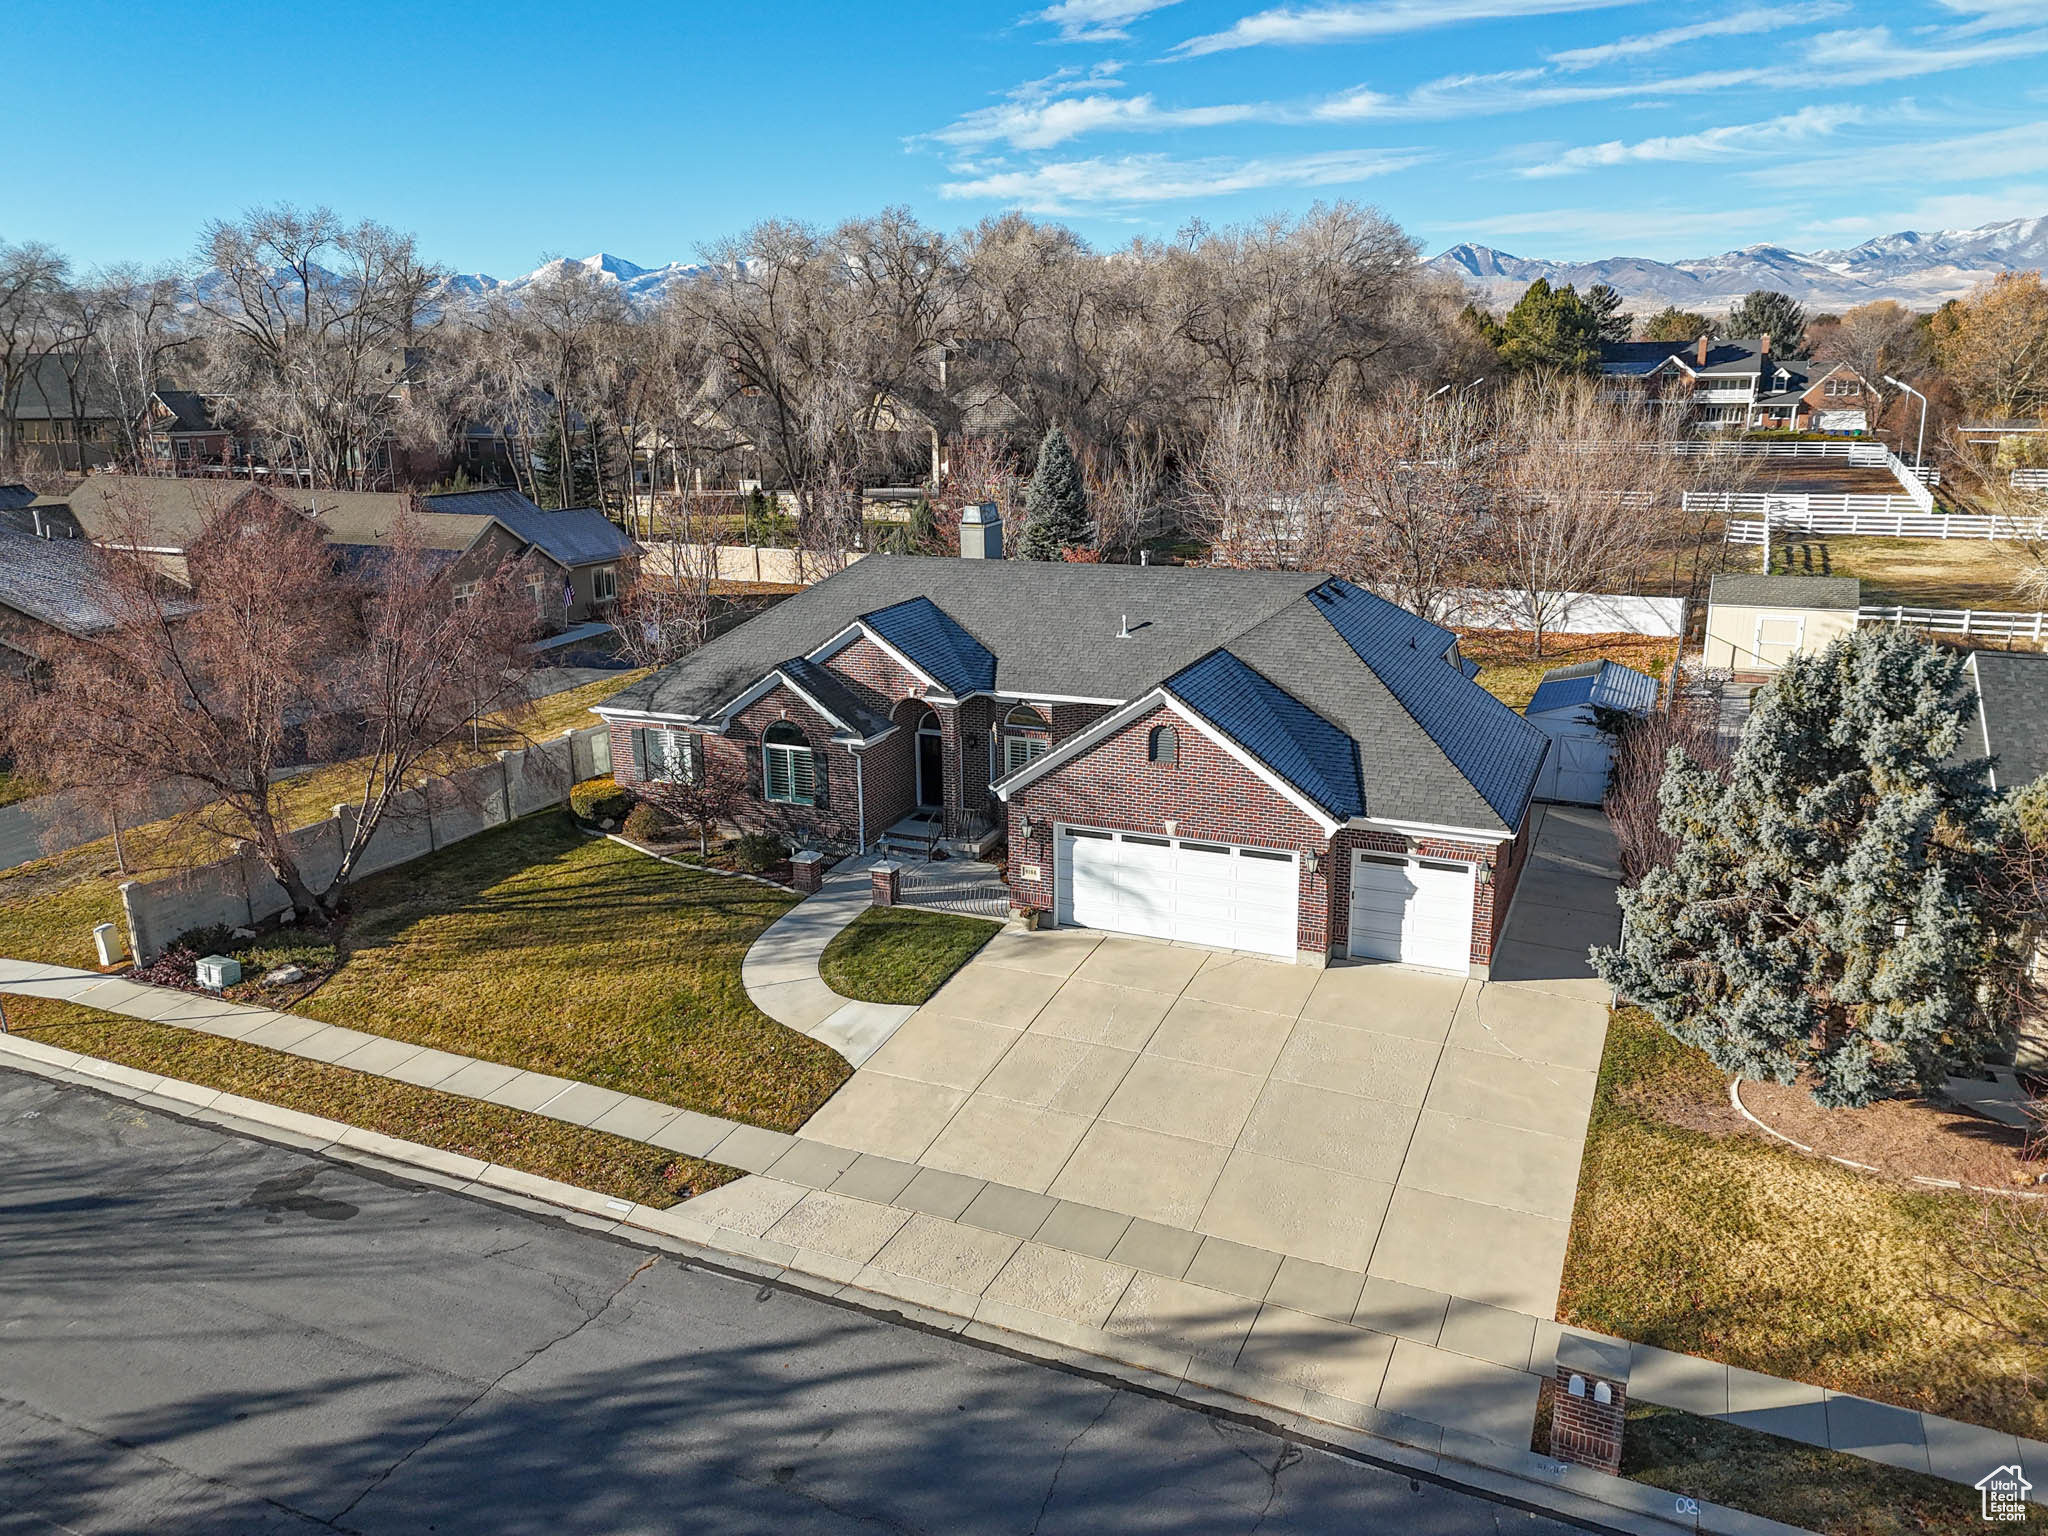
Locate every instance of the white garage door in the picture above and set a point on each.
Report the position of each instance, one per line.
(1171, 888)
(1411, 909)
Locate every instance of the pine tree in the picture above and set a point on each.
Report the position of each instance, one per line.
(1766, 312)
(564, 476)
(1830, 911)
(1551, 329)
(1055, 503)
(1605, 303)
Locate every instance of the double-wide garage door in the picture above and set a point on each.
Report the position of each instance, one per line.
(1171, 888)
(1411, 909)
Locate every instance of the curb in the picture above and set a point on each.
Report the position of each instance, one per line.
(1577, 1495)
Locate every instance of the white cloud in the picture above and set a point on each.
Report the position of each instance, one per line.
(1954, 210)
(1062, 186)
(1735, 24)
(1096, 21)
(1043, 124)
(1729, 142)
(1866, 55)
(1514, 90)
(2017, 151)
(1612, 231)
(1347, 23)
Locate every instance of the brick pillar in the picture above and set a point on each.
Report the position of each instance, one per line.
(807, 871)
(884, 883)
(1589, 1401)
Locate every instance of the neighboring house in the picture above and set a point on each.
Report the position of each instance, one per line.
(1739, 384)
(579, 556)
(65, 418)
(2008, 722)
(1272, 761)
(1755, 624)
(48, 600)
(1565, 707)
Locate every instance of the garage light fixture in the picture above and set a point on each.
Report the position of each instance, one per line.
(1312, 862)
(1025, 829)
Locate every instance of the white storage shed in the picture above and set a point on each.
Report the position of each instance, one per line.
(1576, 767)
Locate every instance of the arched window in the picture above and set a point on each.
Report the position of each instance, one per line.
(1026, 734)
(788, 775)
(1163, 746)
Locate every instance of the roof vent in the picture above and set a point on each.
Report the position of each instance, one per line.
(1125, 632)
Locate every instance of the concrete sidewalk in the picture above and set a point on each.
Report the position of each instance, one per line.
(780, 971)
(1414, 1367)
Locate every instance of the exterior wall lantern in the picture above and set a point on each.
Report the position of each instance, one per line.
(1312, 862)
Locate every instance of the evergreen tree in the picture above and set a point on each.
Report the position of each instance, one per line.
(1055, 503)
(1766, 312)
(1551, 329)
(1677, 325)
(1605, 303)
(565, 476)
(1831, 908)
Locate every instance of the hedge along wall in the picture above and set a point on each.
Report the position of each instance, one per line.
(239, 892)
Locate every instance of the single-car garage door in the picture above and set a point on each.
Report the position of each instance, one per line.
(1173, 888)
(1411, 909)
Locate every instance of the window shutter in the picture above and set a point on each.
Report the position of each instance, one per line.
(640, 756)
(805, 778)
(776, 767)
(691, 745)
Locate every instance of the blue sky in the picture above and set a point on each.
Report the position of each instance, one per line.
(504, 134)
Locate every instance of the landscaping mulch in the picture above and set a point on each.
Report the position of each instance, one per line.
(1903, 1138)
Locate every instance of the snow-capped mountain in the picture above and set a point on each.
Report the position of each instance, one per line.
(1920, 269)
(640, 285)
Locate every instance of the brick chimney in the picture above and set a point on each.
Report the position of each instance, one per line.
(1700, 352)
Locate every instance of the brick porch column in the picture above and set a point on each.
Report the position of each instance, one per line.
(884, 883)
(1589, 1401)
(807, 871)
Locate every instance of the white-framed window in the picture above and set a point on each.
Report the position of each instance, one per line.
(789, 776)
(537, 589)
(672, 757)
(1026, 734)
(604, 584)
(466, 592)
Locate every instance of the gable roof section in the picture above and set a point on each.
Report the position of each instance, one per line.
(927, 635)
(2012, 715)
(54, 581)
(1605, 684)
(1489, 746)
(573, 536)
(1275, 727)
(1748, 590)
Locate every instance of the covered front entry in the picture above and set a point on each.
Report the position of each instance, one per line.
(1222, 894)
(1412, 909)
(931, 762)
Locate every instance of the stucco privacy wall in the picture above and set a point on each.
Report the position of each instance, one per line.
(238, 891)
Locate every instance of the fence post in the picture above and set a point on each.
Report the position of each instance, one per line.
(1966, 621)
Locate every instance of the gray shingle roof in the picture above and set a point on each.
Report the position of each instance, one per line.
(1432, 745)
(53, 581)
(2012, 718)
(1752, 591)
(15, 496)
(574, 536)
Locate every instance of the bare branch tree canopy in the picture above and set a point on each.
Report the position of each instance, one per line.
(32, 283)
(311, 321)
(1416, 469)
(282, 643)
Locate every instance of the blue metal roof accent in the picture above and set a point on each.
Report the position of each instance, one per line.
(1275, 727)
(1608, 684)
(927, 634)
(1496, 750)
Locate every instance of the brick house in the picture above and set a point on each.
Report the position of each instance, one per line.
(1740, 384)
(1272, 761)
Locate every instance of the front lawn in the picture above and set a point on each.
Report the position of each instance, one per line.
(900, 954)
(612, 1165)
(537, 946)
(1698, 1234)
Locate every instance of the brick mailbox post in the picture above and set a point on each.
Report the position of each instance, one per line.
(1589, 1402)
(885, 883)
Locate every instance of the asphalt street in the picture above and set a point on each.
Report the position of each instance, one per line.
(206, 1333)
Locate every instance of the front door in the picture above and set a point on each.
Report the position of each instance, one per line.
(931, 764)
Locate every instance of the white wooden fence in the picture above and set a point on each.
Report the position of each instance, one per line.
(1779, 504)
(1878, 523)
(1960, 621)
(1866, 455)
(2030, 479)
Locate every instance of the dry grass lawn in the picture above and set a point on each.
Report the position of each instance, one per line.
(1510, 673)
(539, 947)
(1919, 573)
(630, 1170)
(1693, 1233)
(901, 954)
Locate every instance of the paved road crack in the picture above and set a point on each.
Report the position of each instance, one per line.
(1060, 1466)
(496, 1381)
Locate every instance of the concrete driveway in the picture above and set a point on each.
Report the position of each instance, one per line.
(1416, 1129)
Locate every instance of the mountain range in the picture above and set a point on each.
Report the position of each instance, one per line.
(1920, 269)
(641, 285)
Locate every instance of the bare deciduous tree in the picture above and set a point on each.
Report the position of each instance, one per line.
(1414, 468)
